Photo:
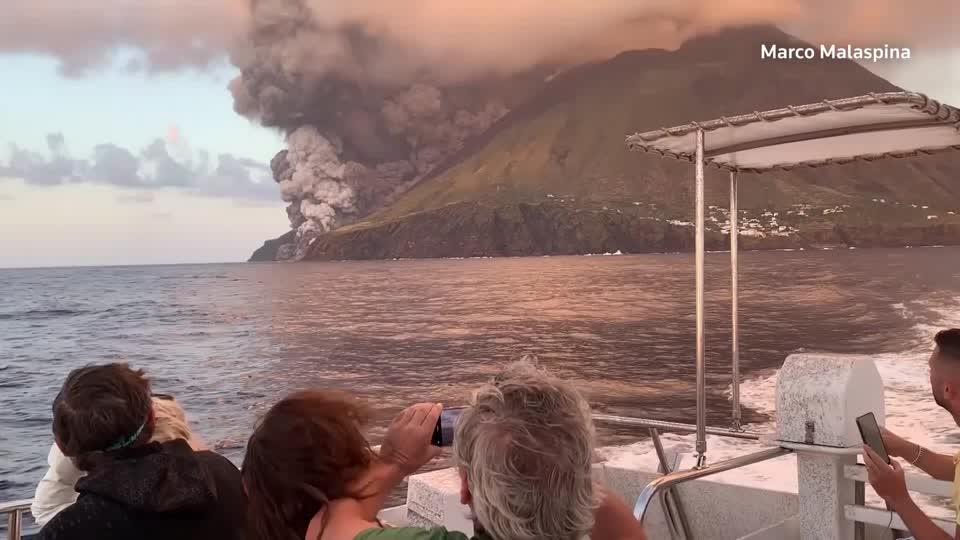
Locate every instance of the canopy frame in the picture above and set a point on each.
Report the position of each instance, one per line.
(934, 115)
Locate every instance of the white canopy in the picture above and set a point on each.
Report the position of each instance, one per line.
(875, 126)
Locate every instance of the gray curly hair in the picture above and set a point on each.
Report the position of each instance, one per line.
(526, 446)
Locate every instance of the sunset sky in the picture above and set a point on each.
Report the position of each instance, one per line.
(105, 161)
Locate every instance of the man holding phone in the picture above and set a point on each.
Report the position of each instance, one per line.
(888, 479)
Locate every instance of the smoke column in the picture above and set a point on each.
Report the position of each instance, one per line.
(375, 95)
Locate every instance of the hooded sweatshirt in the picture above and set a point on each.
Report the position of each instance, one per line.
(158, 491)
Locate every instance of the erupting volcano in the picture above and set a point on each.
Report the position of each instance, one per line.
(376, 99)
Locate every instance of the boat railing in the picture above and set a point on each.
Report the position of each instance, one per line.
(14, 510)
(861, 514)
(672, 505)
(675, 426)
(669, 481)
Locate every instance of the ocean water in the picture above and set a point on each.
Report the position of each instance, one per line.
(230, 340)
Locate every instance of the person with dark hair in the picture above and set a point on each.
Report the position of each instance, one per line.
(56, 489)
(888, 479)
(308, 454)
(103, 420)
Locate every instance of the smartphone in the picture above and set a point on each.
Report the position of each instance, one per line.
(446, 425)
(870, 433)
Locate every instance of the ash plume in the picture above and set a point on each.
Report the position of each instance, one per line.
(374, 95)
(440, 40)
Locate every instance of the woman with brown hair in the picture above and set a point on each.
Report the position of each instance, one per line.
(103, 420)
(308, 455)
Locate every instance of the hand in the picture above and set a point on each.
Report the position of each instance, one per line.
(897, 446)
(887, 480)
(407, 444)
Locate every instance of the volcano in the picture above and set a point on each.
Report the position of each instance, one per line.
(553, 176)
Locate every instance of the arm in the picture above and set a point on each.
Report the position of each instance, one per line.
(614, 521)
(921, 526)
(889, 482)
(56, 490)
(405, 449)
(939, 466)
(376, 486)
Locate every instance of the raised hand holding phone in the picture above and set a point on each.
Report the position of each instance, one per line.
(446, 426)
(885, 475)
(872, 436)
(407, 444)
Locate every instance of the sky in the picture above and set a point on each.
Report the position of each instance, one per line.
(143, 209)
(120, 165)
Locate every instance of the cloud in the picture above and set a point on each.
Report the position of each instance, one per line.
(143, 197)
(84, 35)
(35, 168)
(240, 177)
(454, 39)
(7, 197)
(164, 167)
(114, 165)
(157, 166)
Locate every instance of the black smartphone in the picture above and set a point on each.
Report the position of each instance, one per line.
(870, 433)
(446, 425)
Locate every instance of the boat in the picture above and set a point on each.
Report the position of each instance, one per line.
(814, 421)
(830, 499)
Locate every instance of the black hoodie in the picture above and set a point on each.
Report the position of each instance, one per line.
(158, 491)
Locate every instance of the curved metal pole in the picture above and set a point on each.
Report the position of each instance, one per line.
(670, 480)
(735, 297)
(676, 427)
(701, 376)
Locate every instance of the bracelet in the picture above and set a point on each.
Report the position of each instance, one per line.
(919, 455)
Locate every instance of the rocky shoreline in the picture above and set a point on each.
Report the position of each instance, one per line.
(476, 230)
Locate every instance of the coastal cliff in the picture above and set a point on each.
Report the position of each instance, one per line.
(477, 230)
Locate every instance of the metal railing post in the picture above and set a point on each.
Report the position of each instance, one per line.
(701, 376)
(14, 511)
(735, 298)
(859, 499)
(14, 524)
(671, 497)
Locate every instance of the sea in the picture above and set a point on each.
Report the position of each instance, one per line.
(229, 340)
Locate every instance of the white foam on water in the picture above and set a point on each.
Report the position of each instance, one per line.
(910, 412)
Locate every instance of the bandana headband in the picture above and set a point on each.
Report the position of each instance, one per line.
(123, 443)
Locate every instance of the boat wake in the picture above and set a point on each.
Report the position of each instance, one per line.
(910, 412)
